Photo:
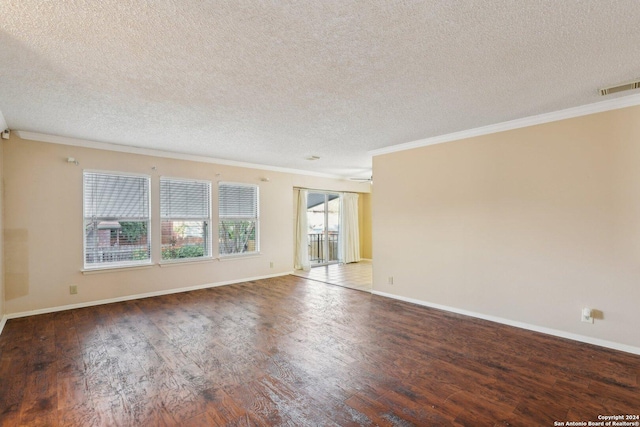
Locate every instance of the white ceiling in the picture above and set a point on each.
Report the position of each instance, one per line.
(274, 82)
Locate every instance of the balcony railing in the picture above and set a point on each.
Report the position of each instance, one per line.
(108, 254)
(316, 247)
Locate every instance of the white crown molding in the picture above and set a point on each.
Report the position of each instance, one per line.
(133, 297)
(562, 334)
(583, 110)
(3, 123)
(76, 142)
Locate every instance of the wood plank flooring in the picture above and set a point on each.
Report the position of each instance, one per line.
(296, 352)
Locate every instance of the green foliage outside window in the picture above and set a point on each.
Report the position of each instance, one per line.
(236, 236)
(140, 254)
(190, 251)
(133, 231)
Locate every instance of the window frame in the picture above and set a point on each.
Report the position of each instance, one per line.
(209, 236)
(256, 250)
(121, 264)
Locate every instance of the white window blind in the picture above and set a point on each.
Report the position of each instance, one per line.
(238, 228)
(116, 219)
(185, 210)
(116, 196)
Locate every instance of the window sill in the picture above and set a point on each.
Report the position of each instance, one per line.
(234, 257)
(100, 270)
(169, 263)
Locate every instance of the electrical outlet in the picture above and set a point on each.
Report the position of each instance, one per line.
(587, 315)
(390, 280)
(73, 289)
(271, 264)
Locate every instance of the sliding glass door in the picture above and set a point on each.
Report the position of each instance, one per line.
(323, 217)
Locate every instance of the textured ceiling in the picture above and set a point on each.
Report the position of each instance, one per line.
(275, 82)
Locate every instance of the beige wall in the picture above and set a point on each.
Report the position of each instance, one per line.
(44, 233)
(528, 225)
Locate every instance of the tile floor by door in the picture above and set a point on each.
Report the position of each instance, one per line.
(357, 275)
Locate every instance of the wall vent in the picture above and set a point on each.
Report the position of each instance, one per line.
(620, 88)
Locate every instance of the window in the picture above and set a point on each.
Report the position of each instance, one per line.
(116, 220)
(185, 210)
(238, 230)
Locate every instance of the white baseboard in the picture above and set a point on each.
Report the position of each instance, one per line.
(521, 325)
(562, 334)
(132, 297)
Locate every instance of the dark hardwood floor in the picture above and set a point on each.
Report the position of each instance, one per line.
(288, 351)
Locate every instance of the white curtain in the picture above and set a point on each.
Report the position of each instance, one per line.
(349, 233)
(301, 261)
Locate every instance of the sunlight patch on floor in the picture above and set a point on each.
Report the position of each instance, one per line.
(357, 275)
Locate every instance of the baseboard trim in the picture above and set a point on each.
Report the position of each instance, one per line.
(555, 332)
(3, 321)
(133, 297)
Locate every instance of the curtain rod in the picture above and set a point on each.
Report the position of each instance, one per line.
(312, 189)
(323, 191)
